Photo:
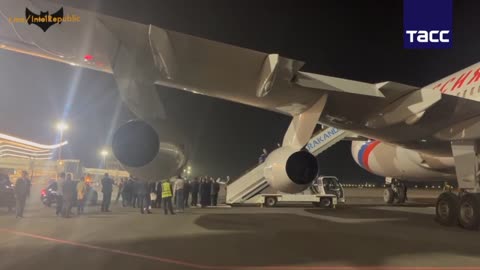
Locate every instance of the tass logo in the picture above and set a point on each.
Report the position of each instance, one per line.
(427, 24)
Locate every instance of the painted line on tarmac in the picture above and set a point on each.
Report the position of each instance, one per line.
(224, 267)
(349, 220)
(109, 250)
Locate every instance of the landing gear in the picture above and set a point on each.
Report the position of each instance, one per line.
(396, 193)
(469, 213)
(446, 210)
(388, 195)
(462, 209)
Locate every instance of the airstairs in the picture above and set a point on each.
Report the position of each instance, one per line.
(253, 182)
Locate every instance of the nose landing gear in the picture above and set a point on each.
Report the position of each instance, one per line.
(395, 193)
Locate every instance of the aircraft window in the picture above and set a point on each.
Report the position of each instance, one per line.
(478, 89)
(464, 93)
(458, 94)
(471, 91)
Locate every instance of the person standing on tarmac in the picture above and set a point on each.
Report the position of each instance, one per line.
(60, 184)
(125, 195)
(137, 192)
(81, 195)
(202, 188)
(215, 190)
(194, 188)
(22, 191)
(128, 192)
(186, 192)
(107, 188)
(158, 191)
(68, 196)
(121, 185)
(208, 191)
(143, 193)
(178, 188)
(167, 197)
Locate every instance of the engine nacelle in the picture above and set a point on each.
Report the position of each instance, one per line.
(290, 171)
(398, 162)
(135, 143)
(149, 152)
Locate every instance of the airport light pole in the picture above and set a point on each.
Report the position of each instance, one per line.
(104, 154)
(61, 127)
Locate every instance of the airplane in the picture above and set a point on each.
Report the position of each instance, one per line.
(415, 133)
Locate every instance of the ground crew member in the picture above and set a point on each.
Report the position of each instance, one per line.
(22, 191)
(167, 197)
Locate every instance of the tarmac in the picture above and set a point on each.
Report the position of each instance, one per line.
(363, 234)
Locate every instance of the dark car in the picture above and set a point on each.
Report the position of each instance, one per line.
(48, 195)
(7, 195)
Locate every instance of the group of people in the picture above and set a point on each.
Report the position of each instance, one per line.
(70, 193)
(176, 192)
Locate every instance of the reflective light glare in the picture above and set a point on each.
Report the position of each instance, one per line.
(88, 57)
(22, 141)
(61, 126)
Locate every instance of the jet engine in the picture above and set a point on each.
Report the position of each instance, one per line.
(398, 162)
(290, 171)
(149, 151)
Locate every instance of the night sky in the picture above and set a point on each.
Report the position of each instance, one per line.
(360, 40)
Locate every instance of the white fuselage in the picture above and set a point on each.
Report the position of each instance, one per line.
(390, 160)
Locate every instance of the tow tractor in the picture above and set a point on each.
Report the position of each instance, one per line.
(325, 191)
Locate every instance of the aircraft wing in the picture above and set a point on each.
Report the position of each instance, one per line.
(254, 78)
(273, 82)
(140, 56)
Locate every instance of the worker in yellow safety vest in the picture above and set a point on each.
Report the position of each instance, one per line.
(167, 197)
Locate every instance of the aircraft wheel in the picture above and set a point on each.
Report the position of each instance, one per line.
(325, 202)
(388, 195)
(446, 210)
(270, 201)
(401, 195)
(469, 211)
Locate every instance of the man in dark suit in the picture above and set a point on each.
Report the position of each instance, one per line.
(195, 189)
(158, 191)
(107, 188)
(22, 191)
